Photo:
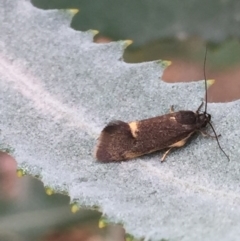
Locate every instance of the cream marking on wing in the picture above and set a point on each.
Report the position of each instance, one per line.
(134, 128)
(182, 142)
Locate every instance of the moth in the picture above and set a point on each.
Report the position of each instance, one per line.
(121, 141)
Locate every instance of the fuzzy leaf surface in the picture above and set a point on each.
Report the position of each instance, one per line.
(58, 89)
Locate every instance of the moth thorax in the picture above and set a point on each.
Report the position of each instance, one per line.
(186, 117)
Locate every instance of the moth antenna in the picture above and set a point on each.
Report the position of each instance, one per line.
(206, 100)
(204, 71)
(218, 141)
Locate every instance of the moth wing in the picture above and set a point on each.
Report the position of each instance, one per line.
(114, 140)
(120, 140)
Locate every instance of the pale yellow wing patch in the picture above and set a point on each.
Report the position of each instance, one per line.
(134, 128)
(181, 142)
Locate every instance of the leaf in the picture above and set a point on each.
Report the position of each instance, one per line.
(57, 91)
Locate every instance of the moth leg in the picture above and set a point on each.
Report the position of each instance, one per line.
(165, 154)
(205, 134)
(172, 109)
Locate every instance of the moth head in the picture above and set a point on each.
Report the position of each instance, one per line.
(203, 118)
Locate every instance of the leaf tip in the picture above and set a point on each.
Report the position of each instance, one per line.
(73, 11)
(129, 237)
(166, 63)
(102, 223)
(127, 42)
(93, 31)
(210, 82)
(20, 173)
(49, 191)
(74, 208)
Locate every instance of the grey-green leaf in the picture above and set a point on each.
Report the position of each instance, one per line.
(57, 91)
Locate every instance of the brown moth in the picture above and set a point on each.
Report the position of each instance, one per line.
(121, 141)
